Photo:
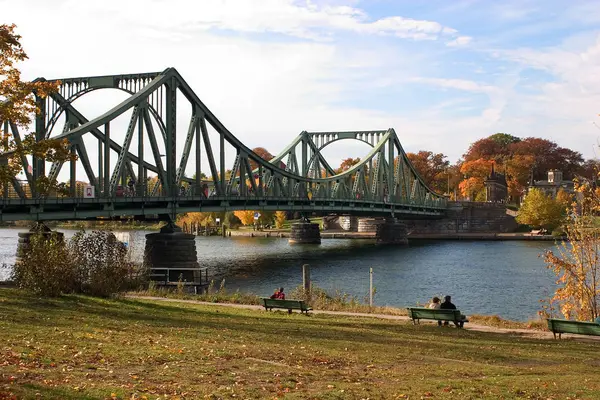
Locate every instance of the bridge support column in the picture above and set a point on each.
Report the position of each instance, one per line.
(305, 233)
(369, 224)
(348, 223)
(392, 231)
(25, 237)
(170, 255)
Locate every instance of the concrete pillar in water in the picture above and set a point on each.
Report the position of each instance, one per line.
(25, 237)
(305, 233)
(392, 232)
(172, 254)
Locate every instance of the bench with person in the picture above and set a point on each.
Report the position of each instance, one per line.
(289, 305)
(418, 313)
(443, 313)
(561, 326)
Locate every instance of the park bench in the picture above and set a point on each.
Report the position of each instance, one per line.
(561, 326)
(418, 313)
(289, 305)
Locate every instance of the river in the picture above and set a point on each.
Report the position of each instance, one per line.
(505, 278)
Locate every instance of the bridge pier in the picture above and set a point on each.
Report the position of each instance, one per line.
(305, 233)
(170, 256)
(36, 229)
(392, 231)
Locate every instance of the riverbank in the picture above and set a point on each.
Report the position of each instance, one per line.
(77, 347)
(414, 236)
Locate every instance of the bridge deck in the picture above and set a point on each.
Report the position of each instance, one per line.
(92, 208)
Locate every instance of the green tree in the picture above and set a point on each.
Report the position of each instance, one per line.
(541, 211)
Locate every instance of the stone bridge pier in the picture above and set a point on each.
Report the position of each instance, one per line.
(391, 231)
(171, 255)
(305, 232)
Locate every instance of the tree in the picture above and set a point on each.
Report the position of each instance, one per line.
(246, 216)
(548, 155)
(540, 210)
(475, 172)
(518, 173)
(347, 164)
(495, 147)
(17, 106)
(576, 261)
(433, 169)
(280, 217)
(262, 153)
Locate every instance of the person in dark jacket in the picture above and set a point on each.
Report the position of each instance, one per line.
(447, 305)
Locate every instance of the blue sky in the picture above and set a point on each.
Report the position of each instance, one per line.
(442, 73)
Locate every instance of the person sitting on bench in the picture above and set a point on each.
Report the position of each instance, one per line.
(278, 295)
(435, 304)
(447, 305)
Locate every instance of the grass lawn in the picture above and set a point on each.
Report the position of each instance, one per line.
(78, 347)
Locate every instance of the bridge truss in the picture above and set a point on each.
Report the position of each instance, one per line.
(298, 179)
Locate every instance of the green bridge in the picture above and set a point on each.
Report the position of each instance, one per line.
(143, 173)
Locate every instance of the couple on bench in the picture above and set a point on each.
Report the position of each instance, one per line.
(446, 305)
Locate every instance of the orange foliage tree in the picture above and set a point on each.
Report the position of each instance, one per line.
(262, 153)
(18, 105)
(433, 169)
(347, 164)
(246, 216)
(576, 261)
(476, 172)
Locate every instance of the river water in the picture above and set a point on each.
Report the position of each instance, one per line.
(505, 278)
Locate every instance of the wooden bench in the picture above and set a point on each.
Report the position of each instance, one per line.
(561, 326)
(290, 305)
(418, 313)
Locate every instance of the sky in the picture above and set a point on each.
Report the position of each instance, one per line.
(441, 73)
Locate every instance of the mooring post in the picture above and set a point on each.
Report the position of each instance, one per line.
(370, 287)
(306, 278)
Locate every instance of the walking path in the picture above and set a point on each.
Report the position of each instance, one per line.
(529, 333)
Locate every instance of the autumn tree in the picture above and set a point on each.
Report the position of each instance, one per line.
(347, 164)
(280, 218)
(548, 155)
(518, 173)
(495, 147)
(246, 216)
(433, 169)
(262, 153)
(475, 173)
(576, 261)
(18, 106)
(541, 211)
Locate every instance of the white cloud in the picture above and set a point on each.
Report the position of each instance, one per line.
(460, 41)
(460, 84)
(287, 17)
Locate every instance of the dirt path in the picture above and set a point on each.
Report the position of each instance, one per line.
(530, 333)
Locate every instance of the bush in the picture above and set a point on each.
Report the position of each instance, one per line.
(101, 263)
(45, 268)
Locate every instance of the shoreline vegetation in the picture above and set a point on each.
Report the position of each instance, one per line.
(81, 347)
(321, 300)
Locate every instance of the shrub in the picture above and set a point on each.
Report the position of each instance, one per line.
(101, 263)
(45, 268)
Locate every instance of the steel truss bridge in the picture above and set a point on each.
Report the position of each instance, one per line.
(298, 179)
